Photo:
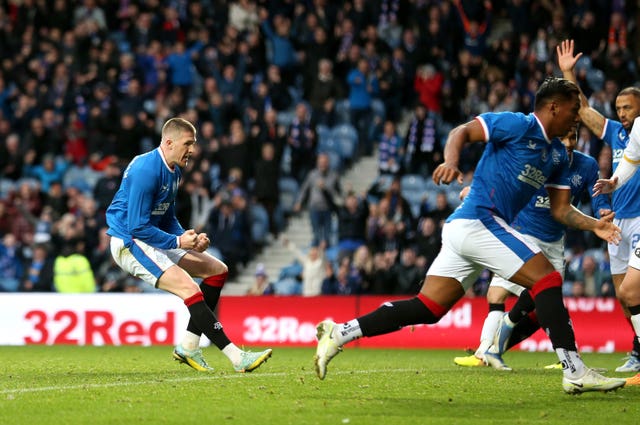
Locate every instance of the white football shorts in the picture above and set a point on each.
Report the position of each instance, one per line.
(622, 254)
(144, 261)
(554, 251)
(472, 245)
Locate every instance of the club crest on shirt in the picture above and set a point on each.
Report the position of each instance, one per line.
(576, 180)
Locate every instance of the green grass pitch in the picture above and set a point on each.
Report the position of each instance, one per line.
(143, 385)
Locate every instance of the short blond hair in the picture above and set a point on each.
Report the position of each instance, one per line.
(175, 126)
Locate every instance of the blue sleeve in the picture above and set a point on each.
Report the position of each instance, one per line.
(266, 28)
(140, 204)
(170, 223)
(611, 131)
(599, 202)
(502, 126)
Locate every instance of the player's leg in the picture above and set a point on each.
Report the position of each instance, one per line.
(177, 281)
(440, 291)
(629, 293)
(620, 255)
(501, 328)
(155, 267)
(545, 284)
(213, 273)
(524, 306)
(496, 296)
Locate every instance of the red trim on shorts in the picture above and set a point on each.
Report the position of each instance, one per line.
(552, 280)
(193, 299)
(533, 317)
(433, 306)
(217, 280)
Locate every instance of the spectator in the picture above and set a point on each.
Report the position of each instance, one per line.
(396, 207)
(364, 267)
(428, 241)
(261, 286)
(441, 211)
(11, 269)
(38, 271)
(230, 234)
(320, 190)
(339, 282)
(390, 81)
(352, 223)
(72, 272)
(302, 141)
(107, 185)
(408, 275)
(422, 148)
(313, 267)
(243, 15)
(324, 92)
(363, 87)
(284, 55)
(266, 189)
(390, 150)
(594, 281)
(50, 170)
(11, 157)
(428, 84)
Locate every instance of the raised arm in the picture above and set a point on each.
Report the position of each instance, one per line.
(593, 119)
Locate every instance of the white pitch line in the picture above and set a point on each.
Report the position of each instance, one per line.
(176, 380)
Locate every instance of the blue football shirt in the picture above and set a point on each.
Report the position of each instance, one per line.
(144, 206)
(625, 200)
(536, 220)
(519, 160)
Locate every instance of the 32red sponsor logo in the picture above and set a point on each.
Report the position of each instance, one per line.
(95, 327)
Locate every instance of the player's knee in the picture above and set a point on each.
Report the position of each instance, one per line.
(628, 295)
(215, 268)
(185, 289)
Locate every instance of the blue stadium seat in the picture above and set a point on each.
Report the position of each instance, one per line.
(412, 183)
(6, 187)
(288, 193)
(344, 130)
(378, 109)
(348, 148)
(335, 160)
(343, 111)
(259, 224)
(323, 131)
(330, 145)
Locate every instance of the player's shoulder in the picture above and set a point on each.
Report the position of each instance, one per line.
(146, 161)
(504, 117)
(614, 132)
(585, 163)
(584, 158)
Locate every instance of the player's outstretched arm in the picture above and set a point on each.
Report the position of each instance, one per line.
(565, 213)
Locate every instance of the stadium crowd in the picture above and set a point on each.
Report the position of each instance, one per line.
(285, 95)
